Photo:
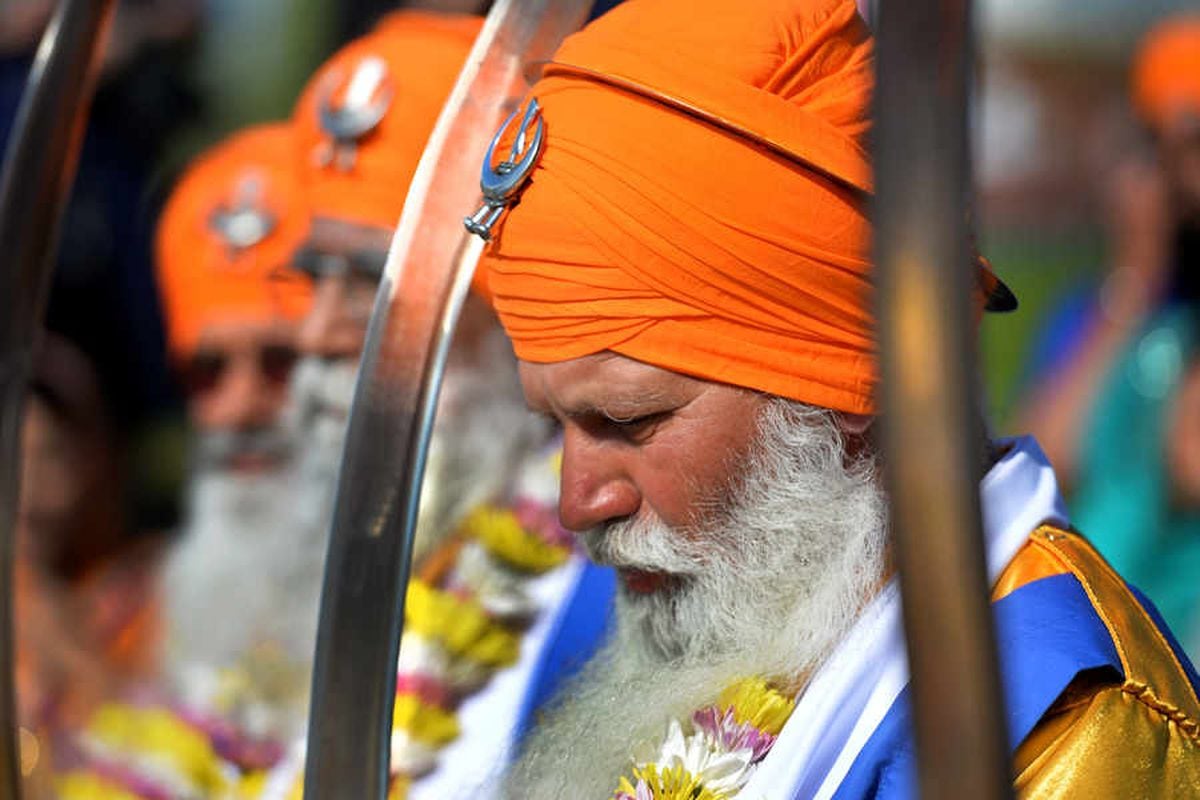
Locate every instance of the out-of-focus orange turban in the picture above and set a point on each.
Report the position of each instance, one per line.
(700, 201)
(1166, 70)
(227, 235)
(365, 116)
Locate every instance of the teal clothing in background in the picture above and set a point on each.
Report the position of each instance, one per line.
(1122, 498)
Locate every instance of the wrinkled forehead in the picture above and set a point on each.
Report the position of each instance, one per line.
(234, 331)
(604, 381)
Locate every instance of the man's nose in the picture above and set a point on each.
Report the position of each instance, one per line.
(245, 399)
(594, 486)
(330, 330)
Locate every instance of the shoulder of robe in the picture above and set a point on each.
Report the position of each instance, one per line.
(1135, 734)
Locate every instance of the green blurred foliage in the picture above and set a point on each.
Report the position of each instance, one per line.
(1041, 267)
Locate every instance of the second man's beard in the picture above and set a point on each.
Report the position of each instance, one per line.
(248, 570)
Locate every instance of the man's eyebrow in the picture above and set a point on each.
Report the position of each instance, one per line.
(617, 406)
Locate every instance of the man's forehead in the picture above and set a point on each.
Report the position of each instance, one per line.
(599, 381)
(237, 329)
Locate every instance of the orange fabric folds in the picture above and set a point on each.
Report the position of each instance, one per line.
(1166, 70)
(227, 235)
(364, 117)
(700, 202)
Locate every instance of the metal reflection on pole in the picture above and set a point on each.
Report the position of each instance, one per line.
(39, 167)
(933, 441)
(428, 273)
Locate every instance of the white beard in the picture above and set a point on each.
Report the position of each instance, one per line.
(766, 590)
(242, 586)
(481, 433)
(248, 572)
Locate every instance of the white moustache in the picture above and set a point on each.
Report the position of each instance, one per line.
(645, 544)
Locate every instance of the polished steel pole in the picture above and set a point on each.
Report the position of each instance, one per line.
(425, 282)
(932, 434)
(39, 167)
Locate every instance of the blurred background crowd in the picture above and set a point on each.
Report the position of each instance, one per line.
(1087, 170)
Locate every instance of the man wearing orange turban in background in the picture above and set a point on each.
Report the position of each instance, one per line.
(492, 566)
(236, 648)
(232, 307)
(687, 284)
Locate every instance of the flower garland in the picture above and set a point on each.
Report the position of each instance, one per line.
(463, 622)
(466, 610)
(713, 762)
(153, 752)
(464, 619)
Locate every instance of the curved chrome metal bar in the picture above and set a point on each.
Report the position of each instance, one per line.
(427, 276)
(933, 442)
(39, 167)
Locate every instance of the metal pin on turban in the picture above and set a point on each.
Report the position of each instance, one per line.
(368, 98)
(502, 183)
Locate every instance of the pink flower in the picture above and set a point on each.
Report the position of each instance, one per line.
(731, 734)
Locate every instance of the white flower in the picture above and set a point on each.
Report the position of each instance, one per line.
(410, 757)
(419, 656)
(722, 771)
(500, 591)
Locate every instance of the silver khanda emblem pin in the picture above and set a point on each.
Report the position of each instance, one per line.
(363, 105)
(501, 183)
(244, 222)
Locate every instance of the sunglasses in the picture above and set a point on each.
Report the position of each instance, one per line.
(204, 370)
(317, 264)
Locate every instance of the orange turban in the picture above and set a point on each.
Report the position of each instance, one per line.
(227, 235)
(365, 116)
(700, 201)
(1166, 70)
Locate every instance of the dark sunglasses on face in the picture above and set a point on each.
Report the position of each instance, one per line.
(204, 370)
(317, 264)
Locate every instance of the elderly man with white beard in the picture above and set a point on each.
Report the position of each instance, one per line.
(232, 307)
(231, 310)
(685, 278)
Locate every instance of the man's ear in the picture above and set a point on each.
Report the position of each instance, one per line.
(854, 424)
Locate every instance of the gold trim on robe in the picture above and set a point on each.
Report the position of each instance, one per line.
(1108, 737)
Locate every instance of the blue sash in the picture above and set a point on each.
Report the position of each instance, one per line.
(1047, 633)
(577, 634)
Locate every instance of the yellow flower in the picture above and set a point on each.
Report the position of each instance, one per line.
(87, 786)
(503, 536)
(399, 788)
(459, 625)
(157, 735)
(670, 783)
(425, 723)
(754, 701)
(252, 784)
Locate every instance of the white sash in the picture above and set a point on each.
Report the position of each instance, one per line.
(849, 696)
